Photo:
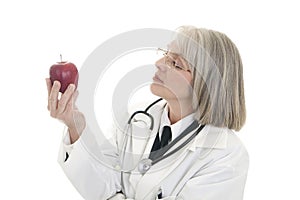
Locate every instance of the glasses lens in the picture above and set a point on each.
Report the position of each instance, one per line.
(169, 60)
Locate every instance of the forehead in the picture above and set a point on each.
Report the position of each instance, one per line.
(175, 53)
(173, 47)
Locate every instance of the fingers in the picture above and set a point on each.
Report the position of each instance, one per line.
(49, 85)
(65, 99)
(53, 98)
(70, 104)
(74, 98)
(75, 95)
(61, 106)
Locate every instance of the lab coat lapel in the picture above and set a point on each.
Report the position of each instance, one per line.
(149, 184)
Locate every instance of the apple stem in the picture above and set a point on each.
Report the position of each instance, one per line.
(60, 57)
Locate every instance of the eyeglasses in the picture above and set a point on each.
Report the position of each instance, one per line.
(171, 61)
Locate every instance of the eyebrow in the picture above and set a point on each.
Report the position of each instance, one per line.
(173, 54)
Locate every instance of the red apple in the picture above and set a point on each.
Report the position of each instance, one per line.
(64, 72)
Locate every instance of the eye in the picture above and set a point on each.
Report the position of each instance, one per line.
(174, 64)
(178, 67)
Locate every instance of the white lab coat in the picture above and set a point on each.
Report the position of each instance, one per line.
(198, 171)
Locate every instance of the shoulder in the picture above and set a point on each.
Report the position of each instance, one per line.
(235, 147)
(222, 138)
(223, 146)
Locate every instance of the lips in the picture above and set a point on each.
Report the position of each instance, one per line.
(157, 79)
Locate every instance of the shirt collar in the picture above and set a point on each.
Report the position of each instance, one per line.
(176, 128)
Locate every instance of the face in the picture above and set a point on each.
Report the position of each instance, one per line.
(173, 78)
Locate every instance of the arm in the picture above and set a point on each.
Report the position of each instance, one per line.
(93, 179)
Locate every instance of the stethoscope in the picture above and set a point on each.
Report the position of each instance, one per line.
(145, 164)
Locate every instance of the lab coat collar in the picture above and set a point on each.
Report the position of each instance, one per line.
(210, 137)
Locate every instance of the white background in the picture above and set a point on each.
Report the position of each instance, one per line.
(34, 33)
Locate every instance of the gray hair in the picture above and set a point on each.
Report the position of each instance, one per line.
(218, 85)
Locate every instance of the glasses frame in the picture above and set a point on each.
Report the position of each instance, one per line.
(171, 62)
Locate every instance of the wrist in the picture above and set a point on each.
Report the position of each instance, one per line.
(74, 135)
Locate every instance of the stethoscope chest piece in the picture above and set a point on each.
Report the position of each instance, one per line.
(144, 165)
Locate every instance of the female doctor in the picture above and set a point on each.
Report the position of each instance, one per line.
(194, 152)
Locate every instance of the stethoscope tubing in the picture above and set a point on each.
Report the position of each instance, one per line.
(145, 112)
(160, 154)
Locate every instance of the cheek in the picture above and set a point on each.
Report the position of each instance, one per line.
(174, 86)
(180, 85)
(179, 81)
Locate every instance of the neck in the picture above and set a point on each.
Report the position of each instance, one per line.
(179, 109)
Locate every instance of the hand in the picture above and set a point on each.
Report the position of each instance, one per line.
(64, 108)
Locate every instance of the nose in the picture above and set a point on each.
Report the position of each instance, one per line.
(160, 64)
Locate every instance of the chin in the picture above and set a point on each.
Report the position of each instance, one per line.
(157, 89)
(161, 91)
(154, 88)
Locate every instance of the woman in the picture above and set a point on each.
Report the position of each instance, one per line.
(195, 153)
